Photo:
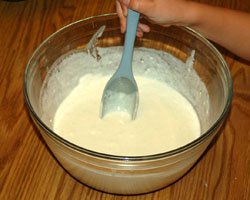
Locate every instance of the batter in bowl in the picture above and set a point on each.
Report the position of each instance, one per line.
(165, 120)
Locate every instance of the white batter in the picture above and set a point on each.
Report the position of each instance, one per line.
(165, 120)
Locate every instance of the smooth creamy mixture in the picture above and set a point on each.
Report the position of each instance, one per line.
(71, 96)
(165, 119)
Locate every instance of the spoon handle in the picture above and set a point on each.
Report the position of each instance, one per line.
(125, 67)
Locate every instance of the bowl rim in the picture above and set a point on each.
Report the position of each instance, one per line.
(170, 153)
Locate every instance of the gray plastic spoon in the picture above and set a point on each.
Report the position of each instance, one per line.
(121, 92)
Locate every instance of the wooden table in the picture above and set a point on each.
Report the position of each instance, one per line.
(27, 168)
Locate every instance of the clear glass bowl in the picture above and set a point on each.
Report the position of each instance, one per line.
(125, 174)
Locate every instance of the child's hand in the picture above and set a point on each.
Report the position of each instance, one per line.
(229, 28)
(162, 12)
(122, 11)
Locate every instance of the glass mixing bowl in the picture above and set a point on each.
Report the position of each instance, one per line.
(137, 174)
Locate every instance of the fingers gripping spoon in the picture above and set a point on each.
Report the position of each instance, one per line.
(121, 92)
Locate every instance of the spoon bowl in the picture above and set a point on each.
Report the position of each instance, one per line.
(121, 95)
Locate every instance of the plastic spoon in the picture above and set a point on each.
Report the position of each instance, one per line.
(121, 92)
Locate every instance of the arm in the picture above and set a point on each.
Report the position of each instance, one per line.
(229, 28)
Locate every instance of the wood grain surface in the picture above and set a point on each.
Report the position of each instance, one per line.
(27, 168)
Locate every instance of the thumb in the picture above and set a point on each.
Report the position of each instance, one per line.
(136, 5)
(132, 4)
